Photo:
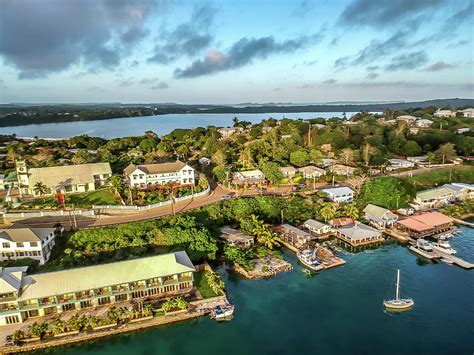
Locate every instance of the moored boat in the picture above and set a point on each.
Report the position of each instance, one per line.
(222, 312)
(423, 247)
(443, 245)
(308, 258)
(398, 304)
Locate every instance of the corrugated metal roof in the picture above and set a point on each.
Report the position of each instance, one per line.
(25, 234)
(438, 192)
(315, 224)
(68, 174)
(161, 168)
(359, 231)
(379, 212)
(97, 276)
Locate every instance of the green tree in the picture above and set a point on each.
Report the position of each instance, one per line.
(411, 148)
(40, 188)
(445, 153)
(328, 211)
(271, 171)
(117, 186)
(351, 210)
(388, 192)
(300, 158)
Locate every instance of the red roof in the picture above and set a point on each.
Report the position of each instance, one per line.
(425, 221)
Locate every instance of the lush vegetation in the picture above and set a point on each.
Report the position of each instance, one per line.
(79, 200)
(436, 178)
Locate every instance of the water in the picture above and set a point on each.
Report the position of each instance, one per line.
(162, 124)
(335, 312)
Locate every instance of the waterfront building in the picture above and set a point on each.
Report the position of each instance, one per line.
(293, 235)
(251, 177)
(310, 172)
(343, 170)
(236, 238)
(379, 216)
(149, 175)
(463, 130)
(317, 227)
(66, 179)
(461, 191)
(396, 164)
(426, 224)
(339, 194)
(288, 171)
(341, 222)
(20, 243)
(359, 234)
(433, 198)
(444, 113)
(25, 296)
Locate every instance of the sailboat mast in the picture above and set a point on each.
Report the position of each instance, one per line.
(397, 295)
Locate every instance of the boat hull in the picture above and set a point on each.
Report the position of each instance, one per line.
(310, 266)
(399, 305)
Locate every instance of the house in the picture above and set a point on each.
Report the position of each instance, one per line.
(148, 175)
(469, 112)
(325, 162)
(423, 123)
(20, 243)
(25, 296)
(205, 161)
(236, 238)
(251, 177)
(425, 224)
(433, 198)
(444, 113)
(317, 227)
(66, 179)
(463, 130)
(310, 172)
(228, 132)
(288, 171)
(399, 164)
(420, 160)
(461, 191)
(407, 118)
(359, 234)
(267, 129)
(379, 216)
(339, 194)
(294, 236)
(342, 170)
(341, 222)
(319, 125)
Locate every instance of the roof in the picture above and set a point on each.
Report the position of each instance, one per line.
(91, 277)
(400, 161)
(311, 169)
(25, 234)
(68, 174)
(342, 167)
(379, 212)
(338, 222)
(337, 191)
(288, 169)
(297, 231)
(458, 187)
(161, 168)
(228, 233)
(315, 224)
(433, 193)
(256, 173)
(359, 231)
(425, 221)
(10, 278)
(406, 117)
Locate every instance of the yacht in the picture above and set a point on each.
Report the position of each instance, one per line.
(443, 245)
(223, 312)
(308, 258)
(398, 304)
(424, 248)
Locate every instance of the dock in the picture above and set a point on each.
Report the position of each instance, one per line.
(455, 260)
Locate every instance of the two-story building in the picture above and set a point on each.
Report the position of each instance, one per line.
(148, 175)
(462, 192)
(433, 198)
(294, 236)
(379, 216)
(359, 234)
(236, 238)
(317, 227)
(25, 296)
(339, 194)
(342, 170)
(20, 243)
(444, 113)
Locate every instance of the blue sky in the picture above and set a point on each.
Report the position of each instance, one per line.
(235, 51)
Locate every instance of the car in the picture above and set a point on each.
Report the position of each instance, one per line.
(226, 197)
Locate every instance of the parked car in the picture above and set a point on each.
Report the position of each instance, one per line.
(226, 197)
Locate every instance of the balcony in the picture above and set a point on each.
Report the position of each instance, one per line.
(47, 301)
(185, 278)
(84, 296)
(119, 290)
(28, 306)
(9, 308)
(137, 287)
(103, 292)
(169, 282)
(154, 284)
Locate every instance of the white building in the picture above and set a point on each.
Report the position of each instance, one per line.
(339, 194)
(400, 164)
(444, 113)
(147, 175)
(288, 171)
(227, 132)
(342, 170)
(461, 191)
(419, 160)
(317, 227)
(423, 123)
(248, 176)
(20, 243)
(463, 130)
(407, 118)
(2, 182)
(469, 112)
(310, 172)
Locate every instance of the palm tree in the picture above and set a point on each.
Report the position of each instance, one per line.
(352, 211)
(328, 211)
(117, 185)
(40, 188)
(269, 239)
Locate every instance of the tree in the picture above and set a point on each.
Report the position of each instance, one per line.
(271, 171)
(40, 188)
(214, 282)
(431, 157)
(269, 239)
(38, 329)
(300, 158)
(388, 192)
(411, 148)
(117, 185)
(351, 210)
(445, 153)
(346, 156)
(328, 211)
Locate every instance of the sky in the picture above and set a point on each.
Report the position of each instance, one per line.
(229, 52)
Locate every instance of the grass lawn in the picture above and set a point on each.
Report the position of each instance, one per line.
(85, 200)
(203, 286)
(437, 178)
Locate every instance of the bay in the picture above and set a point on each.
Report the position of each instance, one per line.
(338, 311)
(161, 124)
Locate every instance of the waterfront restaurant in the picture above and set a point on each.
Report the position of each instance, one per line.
(426, 224)
(359, 234)
(294, 236)
(25, 296)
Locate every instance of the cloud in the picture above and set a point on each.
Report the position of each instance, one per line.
(439, 66)
(361, 13)
(372, 67)
(459, 43)
(126, 83)
(160, 86)
(407, 61)
(187, 39)
(303, 8)
(39, 39)
(244, 52)
(372, 76)
(147, 81)
(330, 82)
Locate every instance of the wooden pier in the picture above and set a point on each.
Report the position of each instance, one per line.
(455, 260)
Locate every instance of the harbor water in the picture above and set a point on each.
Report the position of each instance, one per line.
(338, 311)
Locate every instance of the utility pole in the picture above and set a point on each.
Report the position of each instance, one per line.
(443, 159)
(398, 199)
(309, 135)
(314, 183)
(74, 215)
(281, 215)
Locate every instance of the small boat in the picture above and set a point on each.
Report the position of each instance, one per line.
(398, 304)
(443, 245)
(424, 248)
(222, 312)
(308, 258)
(447, 261)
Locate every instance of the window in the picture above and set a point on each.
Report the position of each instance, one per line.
(86, 304)
(12, 319)
(34, 244)
(120, 298)
(19, 245)
(104, 300)
(6, 245)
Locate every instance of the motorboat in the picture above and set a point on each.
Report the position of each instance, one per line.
(424, 248)
(398, 304)
(308, 258)
(222, 312)
(443, 245)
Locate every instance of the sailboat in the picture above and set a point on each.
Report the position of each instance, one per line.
(398, 304)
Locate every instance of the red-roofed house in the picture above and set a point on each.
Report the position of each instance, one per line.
(426, 224)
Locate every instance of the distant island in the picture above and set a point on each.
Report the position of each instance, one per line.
(25, 114)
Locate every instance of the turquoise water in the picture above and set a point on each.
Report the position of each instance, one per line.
(162, 124)
(335, 312)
